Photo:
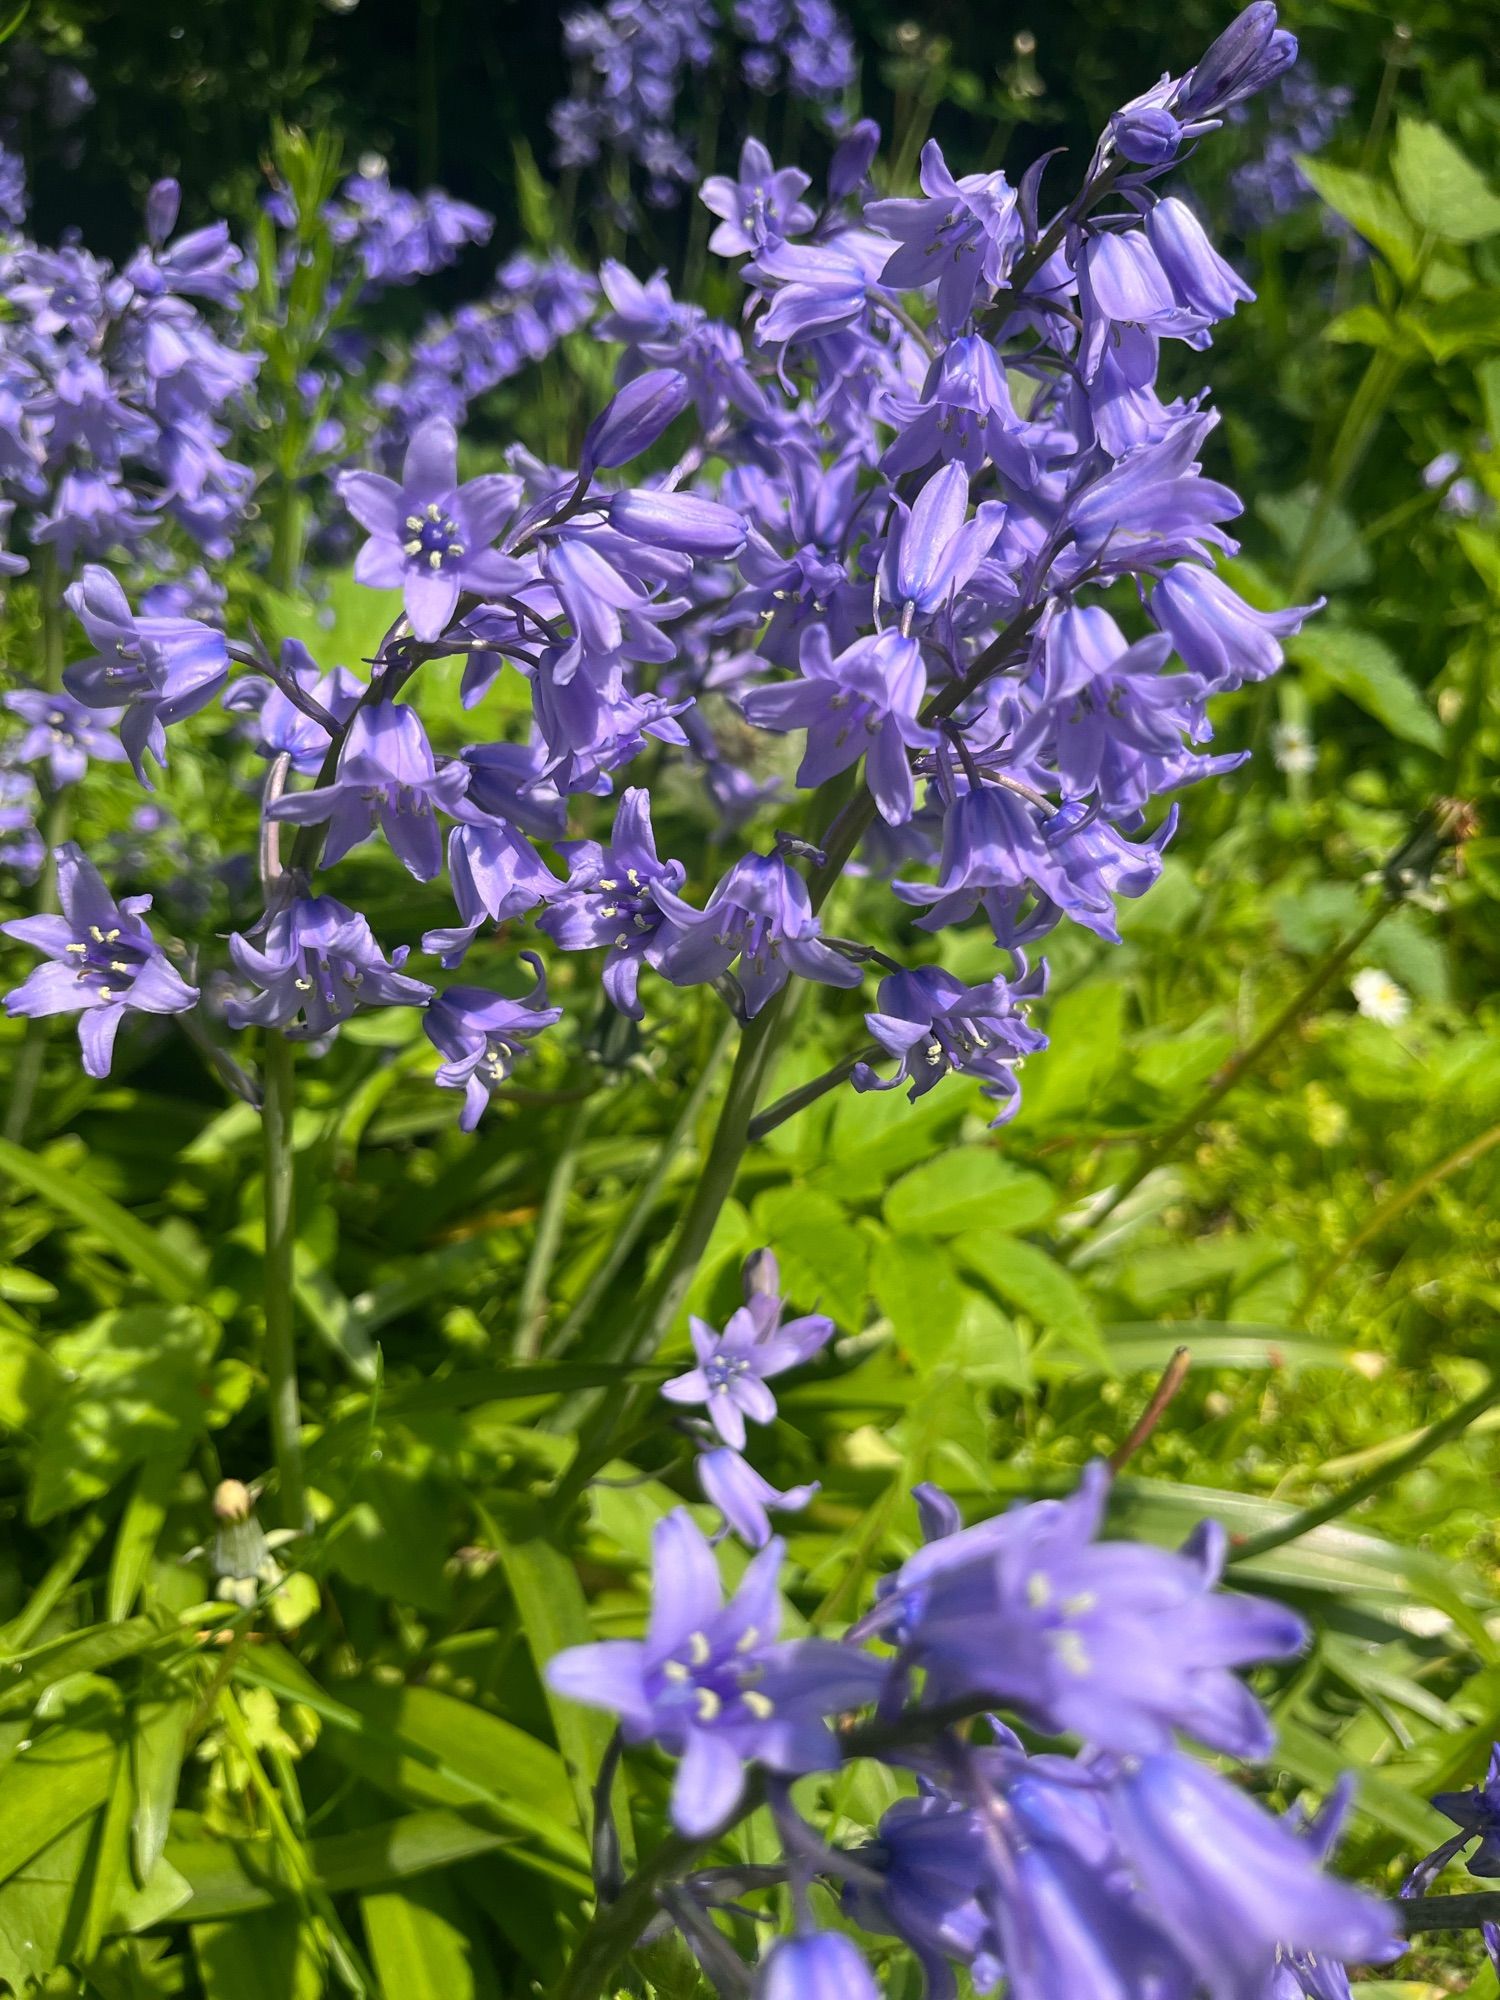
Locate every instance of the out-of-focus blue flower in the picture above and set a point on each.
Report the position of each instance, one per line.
(815, 1965)
(162, 668)
(482, 1035)
(746, 1501)
(316, 963)
(711, 1683)
(64, 733)
(1115, 1642)
(100, 961)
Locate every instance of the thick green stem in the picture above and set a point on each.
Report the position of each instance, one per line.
(616, 1926)
(1375, 1481)
(531, 1306)
(1242, 1062)
(281, 1237)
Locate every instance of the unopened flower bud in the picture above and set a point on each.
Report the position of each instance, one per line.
(634, 420)
(232, 1501)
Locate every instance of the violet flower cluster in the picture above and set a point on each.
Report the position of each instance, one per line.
(1301, 115)
(1050, 1870)
(632, 59)
(893, 504)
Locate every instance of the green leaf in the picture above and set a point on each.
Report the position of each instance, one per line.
(160, 1264)
(227, 1877)
(968, 1187)
(1463, 325)
(1370, 207)
(1315, 1761)
(989, 1349)
(1139, 1345)
(137, 1394)
(917, 1289)
(422, 1946)
(34, 1907)
(157, 1745)
(823, 1259)
(536, 198)
(1443, 193)
(428, 1748)
(1365, 669)
(140, 1525)
(30, 1380)
(1026, 1278)
(554, 1614)
(258, 1956)
(64, 1776)
(76, 1653)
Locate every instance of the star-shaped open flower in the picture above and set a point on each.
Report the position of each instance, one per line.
(430, 537)
(712, 1684)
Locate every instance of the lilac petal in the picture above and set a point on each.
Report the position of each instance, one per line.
(755, 1399)
(431, 468)
(49, 989)
(607, 1675)
(97, 1029)
(689, 1388)
(686, 1592)
(431, 600)
(374, 502)
(380, 565)
(709, 1785)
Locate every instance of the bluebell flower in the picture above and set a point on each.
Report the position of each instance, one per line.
(862, 703)
(687, 523)
(280, 727)
(495, 874)
(743, 1497)
(816, 288)
(633, 419)
(1201, 281)
(711, 1683)
(815, 1965)
(388, 778)
(1117, 1643)
(760, 205)
(162, 668)
(1251, 53)
(609, 900)
(1154, 506)
(430, 537)
(960, 234)
(734, 1366)
(1216, 633)
(64, 733)
(933, 548)
(482, 1035)
(933, 1024)
(1196, 1843)
(759, 915)
(315, 963)
(964, 413)
(100, 961)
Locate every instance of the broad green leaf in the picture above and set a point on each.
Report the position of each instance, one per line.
(1444, 194)
(917, 1289)
(554, 1614)
(823, 1259)
(227, 1877)
(989, 1349)
(1368, 206)
(106, 1873)
(1468, 324)
(1316, 1762)
(967, 1187)
(82, 1652)
(397, 1516)
(258, 1956)
(161, 1265)
(422, 1946)
(1026, 1278)
(428, 1748)
(1336, 557)
(1365, 669)
(1145, 1344)
(29, 1381)
(65, 1775)
(34, 1908)
(136, 1394)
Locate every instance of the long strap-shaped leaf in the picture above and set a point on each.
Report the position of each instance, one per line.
(176, 1277)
